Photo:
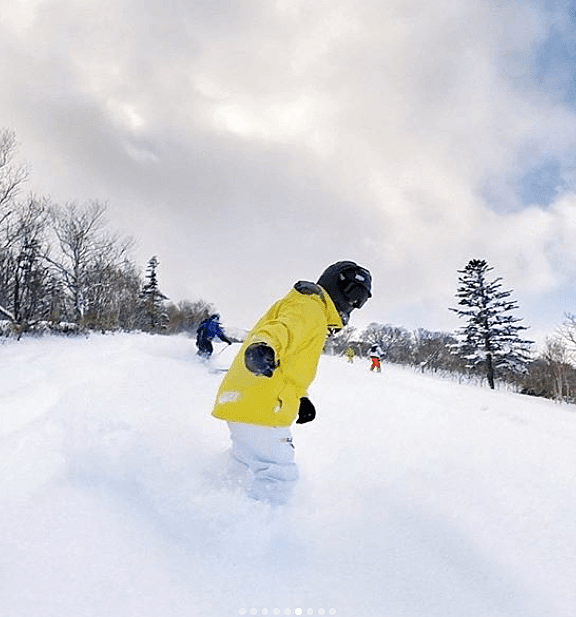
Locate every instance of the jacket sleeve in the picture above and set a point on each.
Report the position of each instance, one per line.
(220, 334)
(293, 327)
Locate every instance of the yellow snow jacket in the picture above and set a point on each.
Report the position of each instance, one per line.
(296, 327)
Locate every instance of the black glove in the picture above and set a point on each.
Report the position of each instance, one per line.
(259, 359)
(307, 411)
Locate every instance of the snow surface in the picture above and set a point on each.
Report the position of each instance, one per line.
(419, 497)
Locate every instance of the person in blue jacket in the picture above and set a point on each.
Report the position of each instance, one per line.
(208, 330)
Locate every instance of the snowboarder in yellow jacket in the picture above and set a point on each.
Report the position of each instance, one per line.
(350, 353)
(265, 389)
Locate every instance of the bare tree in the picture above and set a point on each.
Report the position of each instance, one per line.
(551, 375)
(84, 244)
(396, 342)
(11, 176)
(11, 179)
(567, 333)
(113, 297)
(185, 316)
(556, 357)
(22, 270)
(30, 272)
(337, 344)
(432, 351)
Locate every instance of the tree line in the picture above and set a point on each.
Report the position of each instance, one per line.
(489, 347)
(62, 269)
(549, 374)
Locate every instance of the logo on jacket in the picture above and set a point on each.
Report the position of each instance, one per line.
(228, 397)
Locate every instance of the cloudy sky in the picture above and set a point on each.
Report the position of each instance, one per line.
(250, 143)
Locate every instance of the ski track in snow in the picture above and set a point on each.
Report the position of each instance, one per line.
(419, 496)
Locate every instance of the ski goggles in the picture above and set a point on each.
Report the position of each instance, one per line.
(356, 294)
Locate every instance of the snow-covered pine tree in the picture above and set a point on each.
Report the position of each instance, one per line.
(153, 297)
(491, 336)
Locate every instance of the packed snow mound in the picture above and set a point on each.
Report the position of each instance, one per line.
(419, 497)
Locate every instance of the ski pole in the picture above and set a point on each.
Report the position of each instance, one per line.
(223, 348)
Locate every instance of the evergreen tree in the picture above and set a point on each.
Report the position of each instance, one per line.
(152, 296)
(490, 338)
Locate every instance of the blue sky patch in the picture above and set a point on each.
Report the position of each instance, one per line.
(554, 61)
(541, 184)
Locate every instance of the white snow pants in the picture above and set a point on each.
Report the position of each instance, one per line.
(262, 460)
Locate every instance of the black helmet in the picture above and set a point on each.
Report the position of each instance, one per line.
(215, 317)
(348, 284)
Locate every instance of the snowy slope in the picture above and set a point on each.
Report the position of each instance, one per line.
(419, 497)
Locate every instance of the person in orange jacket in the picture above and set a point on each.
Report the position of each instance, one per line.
(376, 354)
(265, 389)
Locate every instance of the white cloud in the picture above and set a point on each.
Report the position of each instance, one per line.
(277, 137)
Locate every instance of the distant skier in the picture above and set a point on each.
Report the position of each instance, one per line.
(376, 354)
(349, 353)
(206, 332)
(265, 389)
